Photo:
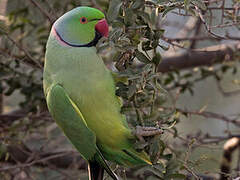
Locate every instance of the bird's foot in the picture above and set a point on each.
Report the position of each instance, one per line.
(146, 131)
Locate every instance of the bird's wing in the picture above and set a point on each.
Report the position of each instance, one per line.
(70, 119)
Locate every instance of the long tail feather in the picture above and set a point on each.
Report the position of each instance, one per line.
(95, 171)
(104, 164)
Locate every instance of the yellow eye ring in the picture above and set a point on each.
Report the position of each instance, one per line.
(83, 20)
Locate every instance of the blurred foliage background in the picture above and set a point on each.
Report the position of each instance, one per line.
(176, 63)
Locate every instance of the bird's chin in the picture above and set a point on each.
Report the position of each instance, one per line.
(97, 37)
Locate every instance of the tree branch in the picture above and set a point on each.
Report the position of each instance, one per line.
(30, 60)
(208, 114)
(22, 154)
(62, 159)
(199, 57)
(3, 6)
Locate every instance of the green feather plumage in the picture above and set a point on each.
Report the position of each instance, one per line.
(89, 88)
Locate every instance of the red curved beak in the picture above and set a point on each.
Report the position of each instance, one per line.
(102, 27)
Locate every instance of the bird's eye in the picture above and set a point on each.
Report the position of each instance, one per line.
(83, 20)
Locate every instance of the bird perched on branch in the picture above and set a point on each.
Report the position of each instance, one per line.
(80, 93)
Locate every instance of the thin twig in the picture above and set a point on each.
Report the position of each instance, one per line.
(208, 114)
(45, 13)
(22, 49)
(34, 162)
(206, 26)
(198, 38)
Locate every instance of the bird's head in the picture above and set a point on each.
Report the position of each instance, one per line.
(81, 27)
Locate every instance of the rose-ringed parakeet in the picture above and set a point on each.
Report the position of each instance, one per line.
(80, 93)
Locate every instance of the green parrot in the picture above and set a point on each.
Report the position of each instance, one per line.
(80, 93)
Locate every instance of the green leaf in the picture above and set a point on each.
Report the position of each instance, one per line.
(158, 33)
(149, 34)
(121, 90)
(136, 39)
(167, 9)
(155, 43)
(160, 166)
(145, 16)
(130, 17)
(3, 150)
(132, 89)
(117, 24)
(141, 57)
(137, 4)
(156, 149)
(172, 166)
(175, 132)
(3, 26)
(146, 46)
(168, 157)
(187, 4)
(155, 171)
(115, 34)
(113, 9)
(157, 59)
(154, 16)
